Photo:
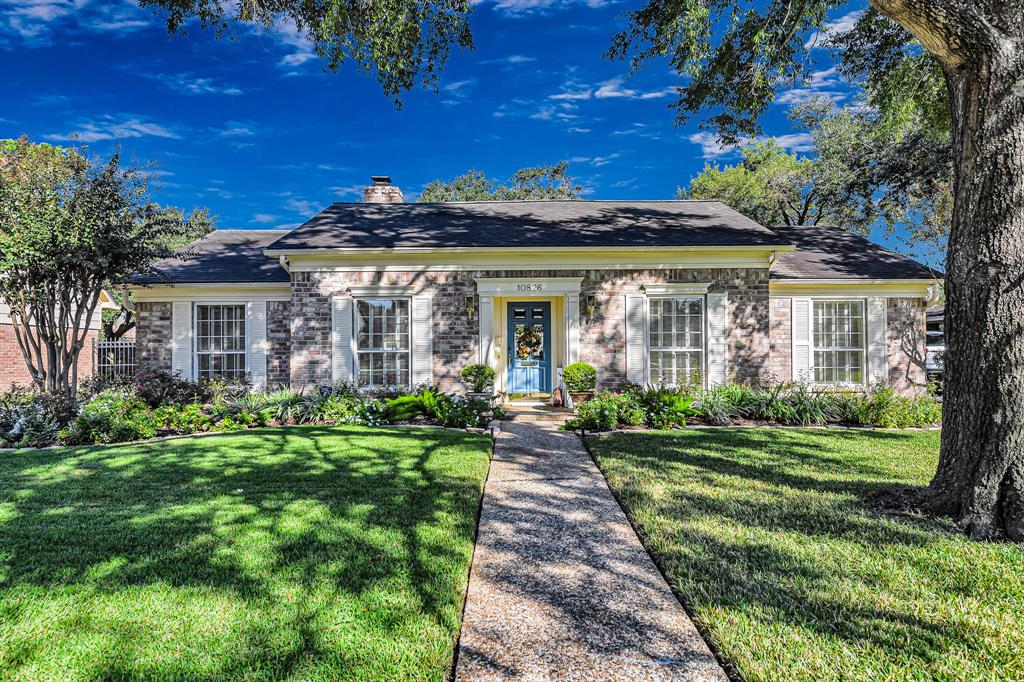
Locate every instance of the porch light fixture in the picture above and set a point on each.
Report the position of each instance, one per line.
(470, 306)
(591, 306)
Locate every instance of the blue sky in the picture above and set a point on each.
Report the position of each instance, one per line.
(254, 129)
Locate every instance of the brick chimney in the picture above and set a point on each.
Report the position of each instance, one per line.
(382, 191)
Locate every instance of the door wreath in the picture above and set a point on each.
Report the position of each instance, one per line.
(528, 343)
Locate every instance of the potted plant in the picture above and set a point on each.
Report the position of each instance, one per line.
(480, 379)
(580, 380)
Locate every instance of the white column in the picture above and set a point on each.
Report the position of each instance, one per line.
(572, 328)
(486, 353)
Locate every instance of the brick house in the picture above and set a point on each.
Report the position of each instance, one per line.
(384, 293)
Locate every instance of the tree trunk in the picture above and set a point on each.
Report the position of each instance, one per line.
(980, 478)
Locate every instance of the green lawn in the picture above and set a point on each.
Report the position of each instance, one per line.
(770, 540)
(301, 553)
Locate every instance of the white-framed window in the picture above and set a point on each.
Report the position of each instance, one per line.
(382, 342)
(676, 340)
(220, 341)
(838, 341)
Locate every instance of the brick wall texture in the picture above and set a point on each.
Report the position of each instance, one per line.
(602, 339)
(153, 336)
(299, 330)
(12, 364)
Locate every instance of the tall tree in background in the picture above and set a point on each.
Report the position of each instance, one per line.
(67, 230)
(534, 182)
(403, 42)
(736, 53)
(862, 172)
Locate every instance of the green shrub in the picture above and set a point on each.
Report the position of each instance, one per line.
(607, 411)
(157, 388)
(333, 409)
(664, 407)
(885, 408)
(404, 408)
(464, 413)
(32, 420)
(113, 416)
(479, 377)
(580, 377)
(184, 419)
(724, 404)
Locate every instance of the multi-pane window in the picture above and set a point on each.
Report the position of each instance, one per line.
(677, 340)
(382, 342)
(839, 342)
(220, 341)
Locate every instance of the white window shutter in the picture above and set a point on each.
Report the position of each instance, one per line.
(342, 339)
(181, 339)
(878, 354)
(636, 339)
(801, 314)
(256, 342)
(422, 339)
(718, 338)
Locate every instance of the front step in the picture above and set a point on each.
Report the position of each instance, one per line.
(535, 412)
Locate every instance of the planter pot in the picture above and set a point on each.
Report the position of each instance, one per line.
(580, 396)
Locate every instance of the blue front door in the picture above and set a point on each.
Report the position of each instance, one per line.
(529, 347)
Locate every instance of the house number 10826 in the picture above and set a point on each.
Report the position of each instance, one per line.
(529, 287)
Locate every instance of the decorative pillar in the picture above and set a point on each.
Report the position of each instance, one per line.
(485, 354)
(572, 328)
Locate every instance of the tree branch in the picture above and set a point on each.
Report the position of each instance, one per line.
(951, 30)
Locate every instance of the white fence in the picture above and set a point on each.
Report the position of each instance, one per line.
(115, 358)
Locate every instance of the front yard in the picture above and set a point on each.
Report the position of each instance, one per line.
(771, 540)
(310, 552)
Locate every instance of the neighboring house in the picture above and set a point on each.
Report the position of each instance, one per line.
(13, 369)
(936, 341)
(386, 293)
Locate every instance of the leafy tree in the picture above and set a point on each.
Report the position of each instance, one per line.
(67, 230)
(863, 171)
(924, 60)
(534, 182)
(403, 42)
(768, 185)
(115, 323)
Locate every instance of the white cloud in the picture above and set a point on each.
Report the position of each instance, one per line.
(512, 59)
(575, 129)
(604, 160)
(189, 84)
(841, 25)
(287, 34)
(527, 7)
(303, 206)
(114, 128)
(572, 95)
(795, 142)
(822, 84)
(34, 22)
(713, 148)
(710, 146)
(237, 129)
(264, 218)
(613, 89)
(348, 190)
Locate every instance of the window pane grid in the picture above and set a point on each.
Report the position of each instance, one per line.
(382, 342)
(220, 341)
(838, 342)
(676, 340)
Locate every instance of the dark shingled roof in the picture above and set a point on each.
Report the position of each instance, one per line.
(528, 224)
(223, 256)
(833, 253)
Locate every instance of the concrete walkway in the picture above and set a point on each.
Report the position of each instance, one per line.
(561, 588)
